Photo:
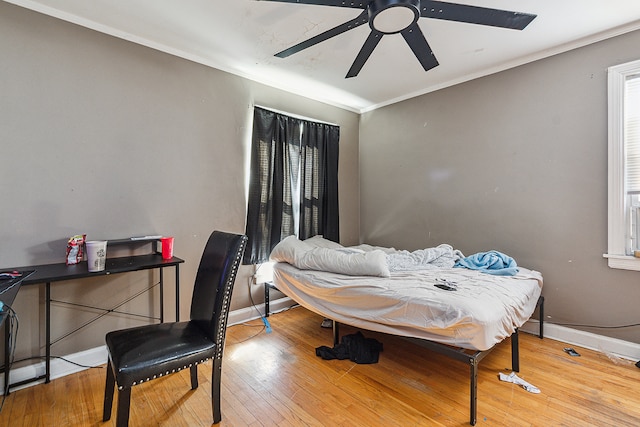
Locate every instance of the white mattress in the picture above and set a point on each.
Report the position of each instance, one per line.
(484, 310)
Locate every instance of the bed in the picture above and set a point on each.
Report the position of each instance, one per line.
(460, 312)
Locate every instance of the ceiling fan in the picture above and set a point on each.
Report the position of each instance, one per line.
(401, 16)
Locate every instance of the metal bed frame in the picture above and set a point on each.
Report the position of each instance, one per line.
(472, 357)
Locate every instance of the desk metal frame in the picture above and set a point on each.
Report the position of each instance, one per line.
(50, 273)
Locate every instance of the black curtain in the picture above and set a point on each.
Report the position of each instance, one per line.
(319, 181)
(284, 150)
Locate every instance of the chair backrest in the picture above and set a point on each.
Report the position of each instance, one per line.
(214, 284)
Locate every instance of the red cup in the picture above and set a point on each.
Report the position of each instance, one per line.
(167, 247)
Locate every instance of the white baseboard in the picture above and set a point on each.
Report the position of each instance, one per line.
(250, 313)
(610, 346)
(98, 355)
(59, 368)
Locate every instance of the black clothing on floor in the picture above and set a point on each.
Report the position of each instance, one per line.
(354, 347)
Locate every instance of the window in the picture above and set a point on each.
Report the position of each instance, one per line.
(624, 166)
(293, 183)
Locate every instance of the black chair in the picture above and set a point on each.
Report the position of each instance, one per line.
(147, 352)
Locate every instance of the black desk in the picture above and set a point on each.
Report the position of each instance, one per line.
(50, 273)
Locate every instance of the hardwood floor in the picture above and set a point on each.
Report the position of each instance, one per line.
(275, 379)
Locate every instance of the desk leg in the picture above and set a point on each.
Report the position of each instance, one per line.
(161, 296)
(47, 309)
(7, 353)
(177, 293)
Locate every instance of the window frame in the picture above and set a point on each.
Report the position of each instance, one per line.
(617, 209)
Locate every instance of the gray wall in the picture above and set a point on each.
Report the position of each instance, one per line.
(516, 162)
(109, 138)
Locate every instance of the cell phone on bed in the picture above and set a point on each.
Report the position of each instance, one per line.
(444, 286)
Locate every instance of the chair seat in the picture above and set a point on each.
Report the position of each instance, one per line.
(143, 353)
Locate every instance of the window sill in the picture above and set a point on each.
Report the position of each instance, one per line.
(624, 262)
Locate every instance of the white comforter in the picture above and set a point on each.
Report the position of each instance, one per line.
(320, 254)
(483, 311)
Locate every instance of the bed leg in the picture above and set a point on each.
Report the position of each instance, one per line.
(266, 299)
(473, 407)
(515, 352)
(336, 333)
(541, 316)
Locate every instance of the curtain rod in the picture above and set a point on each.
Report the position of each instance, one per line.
(297, 116)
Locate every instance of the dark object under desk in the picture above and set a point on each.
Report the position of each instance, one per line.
(50, 273)
(8, 291)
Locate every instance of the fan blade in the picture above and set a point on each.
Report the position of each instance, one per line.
(475, 14)
(365, 52)
(362, 4)
(418, 44)
(363, 18)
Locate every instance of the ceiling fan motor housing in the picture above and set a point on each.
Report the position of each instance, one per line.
(393, 16)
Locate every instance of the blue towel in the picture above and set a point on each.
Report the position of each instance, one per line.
(492, 262)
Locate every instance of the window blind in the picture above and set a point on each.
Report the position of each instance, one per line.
(632, 134)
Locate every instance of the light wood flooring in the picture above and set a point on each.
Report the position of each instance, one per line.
(275, 379)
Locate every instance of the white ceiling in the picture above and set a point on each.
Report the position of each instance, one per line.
(242, 36)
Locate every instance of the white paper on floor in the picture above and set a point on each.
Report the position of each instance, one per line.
(513, 378)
